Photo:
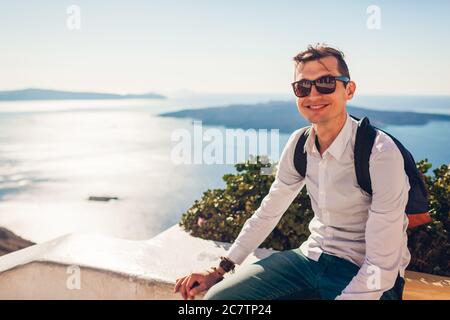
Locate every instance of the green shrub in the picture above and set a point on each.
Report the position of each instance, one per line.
(429, 244)
(221, 213)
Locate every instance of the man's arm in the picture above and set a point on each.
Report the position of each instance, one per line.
(284, 189)
(384, 227)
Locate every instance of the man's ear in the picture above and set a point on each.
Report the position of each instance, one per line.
(350, 90)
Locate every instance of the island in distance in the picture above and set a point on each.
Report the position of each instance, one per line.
(283, 115)
(44, 94)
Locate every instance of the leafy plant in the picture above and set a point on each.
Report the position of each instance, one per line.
(429, 244)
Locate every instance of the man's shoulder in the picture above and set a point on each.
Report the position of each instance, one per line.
(291, 144)
(297, 133)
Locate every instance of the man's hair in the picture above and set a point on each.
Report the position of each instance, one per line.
(318, 51)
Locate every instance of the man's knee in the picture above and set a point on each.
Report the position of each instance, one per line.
(240, 286)
(218, 292)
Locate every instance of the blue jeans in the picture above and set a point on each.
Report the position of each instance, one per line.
(287, 275)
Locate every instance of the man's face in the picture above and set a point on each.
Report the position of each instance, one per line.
(331, 105)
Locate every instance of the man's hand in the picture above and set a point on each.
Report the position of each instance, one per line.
(195, 283)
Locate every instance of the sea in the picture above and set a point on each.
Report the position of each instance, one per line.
(54, 155)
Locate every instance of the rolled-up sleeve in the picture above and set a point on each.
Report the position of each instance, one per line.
(385, 227)
(284, 189)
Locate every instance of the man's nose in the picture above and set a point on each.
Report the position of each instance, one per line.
(314, 92)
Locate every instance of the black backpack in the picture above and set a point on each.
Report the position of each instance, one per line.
(417, 206)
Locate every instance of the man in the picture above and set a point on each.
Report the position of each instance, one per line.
(358, 243)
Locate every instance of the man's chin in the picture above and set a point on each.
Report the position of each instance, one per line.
(317, 119)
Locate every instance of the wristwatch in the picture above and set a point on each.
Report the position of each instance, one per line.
(227, 264)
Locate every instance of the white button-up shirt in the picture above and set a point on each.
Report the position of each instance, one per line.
(369, 231)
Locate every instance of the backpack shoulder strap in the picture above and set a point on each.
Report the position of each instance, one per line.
(365, 138)
(300, 154)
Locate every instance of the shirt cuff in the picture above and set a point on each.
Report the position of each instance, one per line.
(237, 254)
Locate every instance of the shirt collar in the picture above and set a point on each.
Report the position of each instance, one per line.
(337, 148)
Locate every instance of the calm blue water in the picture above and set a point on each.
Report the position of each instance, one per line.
(54, 155)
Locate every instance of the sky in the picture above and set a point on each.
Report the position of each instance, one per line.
(201, 46)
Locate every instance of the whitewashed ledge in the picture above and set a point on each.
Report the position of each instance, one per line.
(111, 268)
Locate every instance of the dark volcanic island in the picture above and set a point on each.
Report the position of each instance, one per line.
(283, 115)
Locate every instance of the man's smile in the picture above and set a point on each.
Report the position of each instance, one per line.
(317, 106)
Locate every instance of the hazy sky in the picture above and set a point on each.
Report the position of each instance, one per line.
(220, 46)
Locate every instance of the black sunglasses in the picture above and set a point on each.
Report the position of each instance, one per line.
(324, 85)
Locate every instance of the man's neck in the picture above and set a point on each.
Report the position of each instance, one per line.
(328, 131)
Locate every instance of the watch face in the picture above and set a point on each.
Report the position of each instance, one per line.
(225, 265)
